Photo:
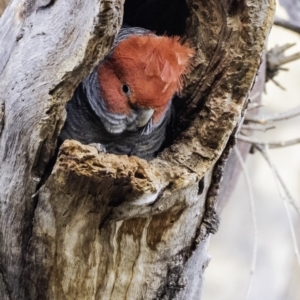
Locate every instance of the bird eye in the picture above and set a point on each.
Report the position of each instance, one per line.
(126, 89)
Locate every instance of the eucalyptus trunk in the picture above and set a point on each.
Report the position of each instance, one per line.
(84, 225)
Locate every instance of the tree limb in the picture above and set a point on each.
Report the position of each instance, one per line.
(287, 25)
(73, 223)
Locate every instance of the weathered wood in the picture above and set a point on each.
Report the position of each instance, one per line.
(103, 226)
(3, 4)
(233, 166)
(45, 52)
(85, 253)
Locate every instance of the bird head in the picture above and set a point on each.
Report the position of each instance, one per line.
(141, 75)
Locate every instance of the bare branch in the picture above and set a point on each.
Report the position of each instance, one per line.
(274, 144)
(252, 106)
(284, 194)
(287, 25)
(278, 84)
(276, 58)
(276, 55)
(253, 214)
(257, 127)
(292, 201)
(291, 113)
(292, 8)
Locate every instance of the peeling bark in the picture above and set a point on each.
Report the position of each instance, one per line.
(101, 226)
(3, 4)
(47, 53)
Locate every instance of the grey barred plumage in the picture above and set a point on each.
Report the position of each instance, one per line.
(118, 123)
(83, 125)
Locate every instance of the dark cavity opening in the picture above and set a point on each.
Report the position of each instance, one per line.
(164, 17)
(201, 186)
(161, 16)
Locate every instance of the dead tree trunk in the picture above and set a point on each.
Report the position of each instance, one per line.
(75, 228)
(3, 4)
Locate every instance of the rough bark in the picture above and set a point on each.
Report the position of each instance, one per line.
(101, 226)
(233, 167)
(3, 4)
(293, 9)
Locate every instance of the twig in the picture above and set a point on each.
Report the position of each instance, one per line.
(270, 145)
(289, 58)
(282, 48)
(253, 214)
(276, 58)
(254, 105)
(284, 194)
(287, 25)
(283, 69)
(291, 113)
(262, 145)
(292, 201)
(278, 84)
(257, 128)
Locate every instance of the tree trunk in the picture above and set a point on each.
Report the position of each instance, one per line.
(3, 4)
(84, 225)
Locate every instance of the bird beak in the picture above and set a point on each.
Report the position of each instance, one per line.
(144, 115)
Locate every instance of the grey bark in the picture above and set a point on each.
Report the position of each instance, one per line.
(233, 167)
(83, 229)
(292, 7)
(3, 4)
